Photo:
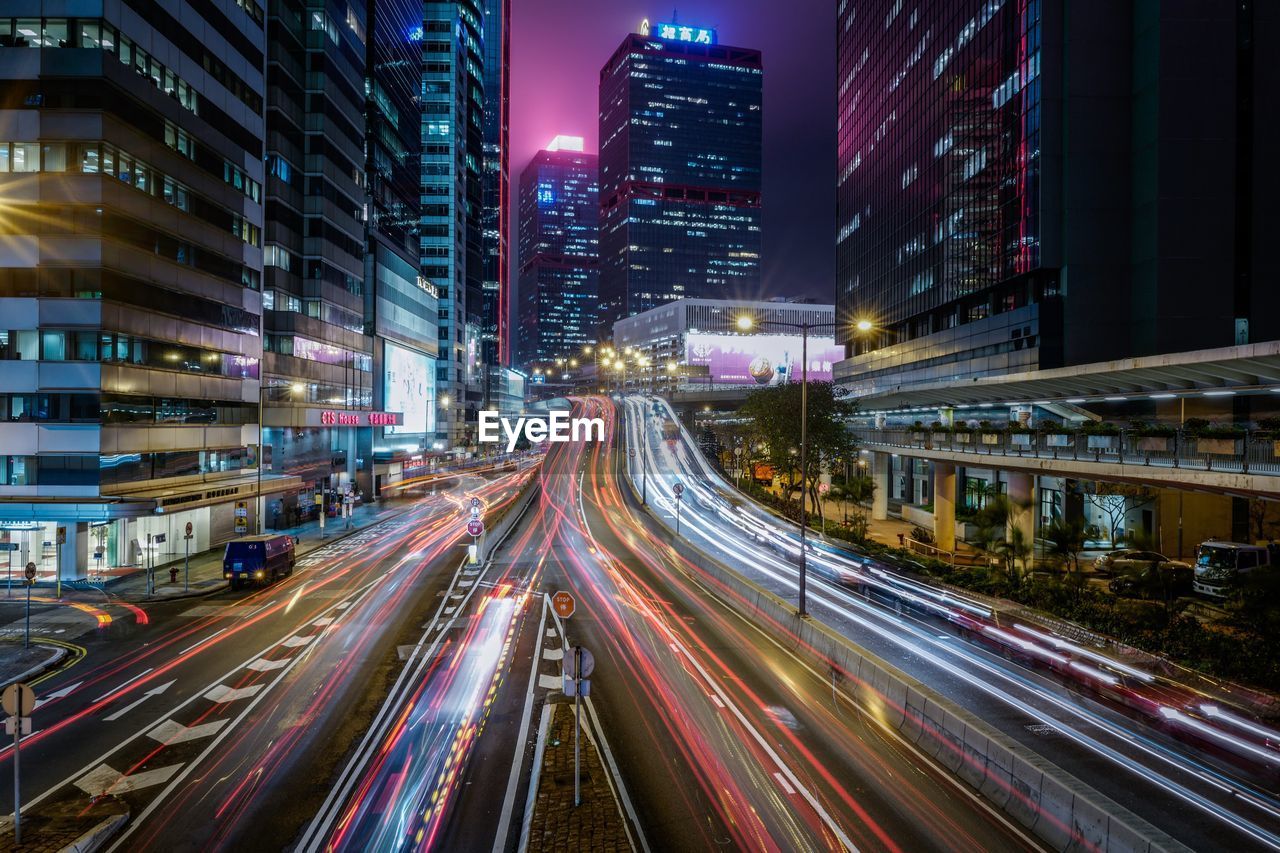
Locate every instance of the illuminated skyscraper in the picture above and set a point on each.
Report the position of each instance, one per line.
(1035, 185)
(451, 203)
(559, 274)
(494, 219)
(680, 167)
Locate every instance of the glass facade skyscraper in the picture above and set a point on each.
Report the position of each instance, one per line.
(680, 169)
(497, 192)
(130, 275)
(1019, 185)
(559, 272)
(452, 201)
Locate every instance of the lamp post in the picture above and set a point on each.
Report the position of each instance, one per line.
(745, 323)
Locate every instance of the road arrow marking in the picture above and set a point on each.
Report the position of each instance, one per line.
(264, 665)
(154, 691)
(223, 693)
(57, 694)
(323, 621)
(295, 641)
(111, 693)
(103, 779)
(550, 682)
(170, 731)
(553, 654)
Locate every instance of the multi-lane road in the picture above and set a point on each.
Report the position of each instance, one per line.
(1206, 798)
(221, 724)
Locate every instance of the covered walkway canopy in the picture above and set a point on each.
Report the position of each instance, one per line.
(1249, 368)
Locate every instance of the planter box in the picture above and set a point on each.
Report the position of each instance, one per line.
(1222, 446)
(991, 438)
(1057, 439)
(1103, 442)
(967, 437)
(940, 437)
(1021, 439)
(1154, 443)
(917, 516)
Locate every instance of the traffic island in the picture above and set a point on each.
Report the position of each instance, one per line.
(19, 664)
(66, 828)
(556, 824)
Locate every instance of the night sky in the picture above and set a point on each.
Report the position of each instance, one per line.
(558, 47)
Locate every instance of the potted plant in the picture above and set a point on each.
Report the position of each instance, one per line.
(1269, 429)
(1101, 435)
(990, 433)
(962, 433)
(1152, 438)
(1223, 439)
(1055, 434)
(1020, 435)
(939, 430)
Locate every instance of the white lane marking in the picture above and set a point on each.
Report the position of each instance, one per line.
(344, 605)
(264, 665)
(782, 780)
(464, 584)
(223, 693)
(199, 643)
(111, 693)
(517, 759)
(154, 691)
(551, 633)
(550, 682)
(323, 621)
(716, 699)
(171, 731)
(103, 778)
(553, 654)
(296, 640)
(449, 611)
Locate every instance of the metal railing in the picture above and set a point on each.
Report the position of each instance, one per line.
(1245, 453)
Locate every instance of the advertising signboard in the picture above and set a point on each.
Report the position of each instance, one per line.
(761, 360)
(411, 389)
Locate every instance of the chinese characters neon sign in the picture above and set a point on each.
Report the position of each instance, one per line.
(680, 32)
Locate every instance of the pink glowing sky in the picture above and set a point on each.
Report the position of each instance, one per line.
(558, 46)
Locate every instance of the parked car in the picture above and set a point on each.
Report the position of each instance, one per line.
(1218, 563)
(1154, 580)
(1130, 560)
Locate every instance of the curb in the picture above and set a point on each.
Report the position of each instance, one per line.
(40, 669)
(98, 836)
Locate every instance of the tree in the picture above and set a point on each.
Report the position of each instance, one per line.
(1262, 522)
(775, 415)
(860, 490)
(1115, 501)
(1015, 548)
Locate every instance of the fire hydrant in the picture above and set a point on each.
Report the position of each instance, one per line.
(173, 575)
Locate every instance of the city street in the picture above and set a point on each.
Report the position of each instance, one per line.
(1138, 766)
(223, 710)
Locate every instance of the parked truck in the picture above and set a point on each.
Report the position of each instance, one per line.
(1218, 564)
(258, 560)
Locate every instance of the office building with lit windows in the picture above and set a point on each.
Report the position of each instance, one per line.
(1024, 186)
(680, 170)
(319, 352)
(559, 269)
(452, 199)
(131, 177)
(497, 192)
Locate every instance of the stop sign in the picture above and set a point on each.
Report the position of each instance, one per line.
(475, 527)
(563, 604)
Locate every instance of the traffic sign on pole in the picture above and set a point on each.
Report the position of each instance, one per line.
(189, 529)
(678, 488)
(475, 502)
(18, 700)
(563, 604)
(30, 571)
(475, 527)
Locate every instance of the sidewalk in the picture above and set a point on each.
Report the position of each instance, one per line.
(206, 566)
(596, 824)
(19, 664)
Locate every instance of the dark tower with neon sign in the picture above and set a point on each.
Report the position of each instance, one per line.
(680, 169)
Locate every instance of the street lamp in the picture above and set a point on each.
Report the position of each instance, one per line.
(745, 323)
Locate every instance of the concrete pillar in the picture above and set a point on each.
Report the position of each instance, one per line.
(880, 476)
(1023, 509)
(944, 505)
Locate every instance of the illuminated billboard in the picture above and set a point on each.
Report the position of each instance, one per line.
(410, 388)
(759, 360)
(679, 32)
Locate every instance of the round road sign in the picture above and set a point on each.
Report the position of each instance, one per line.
(588, 662)
(475, 502)
(189, 528)
(678, 488)
(18, 700)
(632, 453)
(475, 527)
(563, 604)
(31, 571)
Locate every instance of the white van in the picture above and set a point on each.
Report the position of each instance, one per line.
(1218, 563)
